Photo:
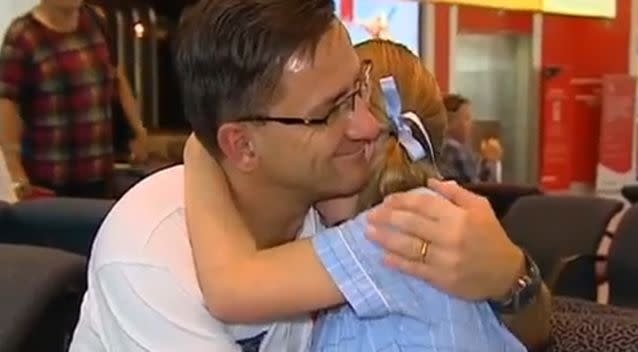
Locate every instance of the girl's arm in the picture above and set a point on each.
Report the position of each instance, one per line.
(241, 284)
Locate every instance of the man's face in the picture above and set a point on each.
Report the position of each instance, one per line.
(463, 122)
(323, 161)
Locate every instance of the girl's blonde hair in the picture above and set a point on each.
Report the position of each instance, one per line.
(419, 93)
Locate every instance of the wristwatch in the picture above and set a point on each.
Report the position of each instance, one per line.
(523, 292)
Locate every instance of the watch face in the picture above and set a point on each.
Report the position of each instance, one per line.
(524, 291)
(522, 282)
(532, 283)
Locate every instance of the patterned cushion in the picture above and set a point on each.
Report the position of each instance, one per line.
(584, 326)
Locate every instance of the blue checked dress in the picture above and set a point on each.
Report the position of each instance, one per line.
(390, 311)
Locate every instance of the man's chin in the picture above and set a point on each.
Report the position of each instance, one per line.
(349, 186)
(345, 182)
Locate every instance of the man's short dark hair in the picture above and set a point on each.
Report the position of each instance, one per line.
(454, 102)
(230, 56)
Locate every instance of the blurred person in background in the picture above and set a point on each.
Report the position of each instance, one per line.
(57, 89)
(459, 161)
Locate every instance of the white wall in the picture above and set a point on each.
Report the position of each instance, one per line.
(9, 9)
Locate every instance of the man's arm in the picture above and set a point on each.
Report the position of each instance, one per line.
(527, 307)
(470, 254)
(531, 325)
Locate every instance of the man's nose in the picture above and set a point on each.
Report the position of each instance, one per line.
(363, 125)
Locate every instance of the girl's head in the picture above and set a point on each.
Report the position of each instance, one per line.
(407, 100)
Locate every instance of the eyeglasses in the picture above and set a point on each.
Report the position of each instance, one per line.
(345, 107)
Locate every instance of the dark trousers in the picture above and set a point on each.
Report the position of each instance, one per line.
(96, 190)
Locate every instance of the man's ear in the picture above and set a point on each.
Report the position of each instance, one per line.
(235, 142)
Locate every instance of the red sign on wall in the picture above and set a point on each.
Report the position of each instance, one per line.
(347, 10)
(617, 124)
(556, 147)
(616, 148)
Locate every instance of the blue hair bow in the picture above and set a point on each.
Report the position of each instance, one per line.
(400, 124)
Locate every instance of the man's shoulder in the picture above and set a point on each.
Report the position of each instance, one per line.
(146, 219)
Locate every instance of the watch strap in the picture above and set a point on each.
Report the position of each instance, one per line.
(524, 291)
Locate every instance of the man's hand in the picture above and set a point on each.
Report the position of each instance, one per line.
(491, 150)
(469, 254)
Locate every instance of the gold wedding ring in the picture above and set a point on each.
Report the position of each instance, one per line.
(424, 250)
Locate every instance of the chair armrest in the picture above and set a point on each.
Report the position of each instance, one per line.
(5, 208)
(7, 230)
(65, 223)
(32, 280)
(574, 276)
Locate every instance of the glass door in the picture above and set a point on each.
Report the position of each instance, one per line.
(495, 72)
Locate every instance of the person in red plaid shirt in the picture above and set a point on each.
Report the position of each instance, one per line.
(57, 84)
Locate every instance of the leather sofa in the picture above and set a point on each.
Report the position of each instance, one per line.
(44, 244)
(63, 223)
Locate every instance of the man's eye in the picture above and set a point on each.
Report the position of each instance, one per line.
(346, 105)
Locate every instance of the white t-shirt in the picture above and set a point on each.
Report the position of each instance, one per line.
(7, 192)
(143, 292)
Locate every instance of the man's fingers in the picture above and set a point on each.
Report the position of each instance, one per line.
(430, 271)
(424, 271)
(455, 193)
(395, 242)
(431, 206)
(407, 247)
(403, 221)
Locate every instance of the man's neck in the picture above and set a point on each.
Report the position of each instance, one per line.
(273, 215)
(59, 19)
